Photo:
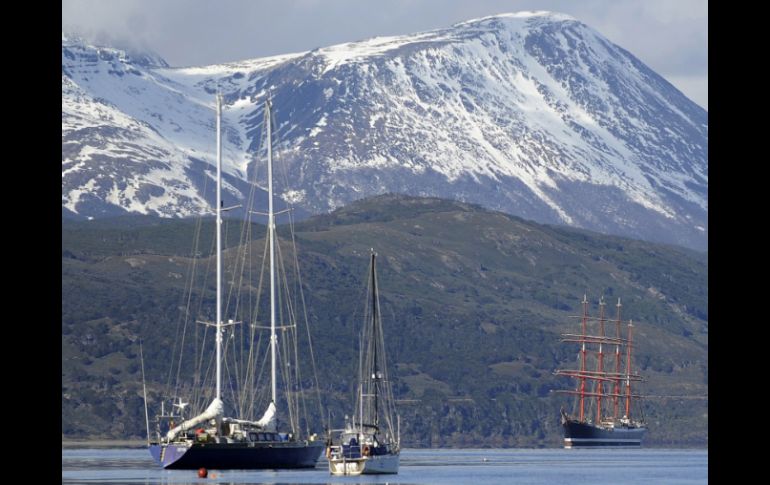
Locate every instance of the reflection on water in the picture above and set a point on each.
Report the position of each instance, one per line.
(134, 466)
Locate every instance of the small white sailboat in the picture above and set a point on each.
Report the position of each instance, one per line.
(369, 443)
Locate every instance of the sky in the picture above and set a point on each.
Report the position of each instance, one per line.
(670, 36)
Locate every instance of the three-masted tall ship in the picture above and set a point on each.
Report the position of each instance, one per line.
(226, 434)
(604, 398)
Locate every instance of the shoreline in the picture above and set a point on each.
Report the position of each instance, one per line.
(138, 443)
(91, 443)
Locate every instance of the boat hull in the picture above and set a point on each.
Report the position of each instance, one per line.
(237, 456)
(370, 465)
(584, 435)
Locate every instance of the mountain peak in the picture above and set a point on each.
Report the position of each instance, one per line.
(522, 15)
(530, 113)
(123, 50)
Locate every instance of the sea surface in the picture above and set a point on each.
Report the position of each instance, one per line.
(419, 466)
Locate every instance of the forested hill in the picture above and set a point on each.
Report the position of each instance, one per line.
(473, 303)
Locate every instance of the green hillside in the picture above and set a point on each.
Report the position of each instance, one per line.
(473, 304)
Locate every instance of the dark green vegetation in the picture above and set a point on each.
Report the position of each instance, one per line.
(473, 303)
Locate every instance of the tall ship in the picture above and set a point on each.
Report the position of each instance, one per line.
(226, 432)
(604, 400)
(369, 443)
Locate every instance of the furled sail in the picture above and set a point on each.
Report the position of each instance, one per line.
(268, 420)
(215, 409)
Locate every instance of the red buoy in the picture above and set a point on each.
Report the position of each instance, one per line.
(202, 472)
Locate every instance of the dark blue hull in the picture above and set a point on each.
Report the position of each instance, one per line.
(580, 435)
(237, 456)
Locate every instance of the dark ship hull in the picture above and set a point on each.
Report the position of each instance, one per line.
(238, 456)
(584, 435)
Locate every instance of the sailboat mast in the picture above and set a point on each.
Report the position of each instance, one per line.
(628, 370)
(616, 387)
(361, 384)
(583, 360)
(219, 247)
(375, 336)
(271, 238)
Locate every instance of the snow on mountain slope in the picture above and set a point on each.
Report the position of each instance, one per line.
(532, 113)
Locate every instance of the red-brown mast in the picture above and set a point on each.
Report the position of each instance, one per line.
(583, 360)
(628, 371)
(616, 387)
(601, 363)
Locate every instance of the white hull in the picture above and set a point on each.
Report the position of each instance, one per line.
(371, 465)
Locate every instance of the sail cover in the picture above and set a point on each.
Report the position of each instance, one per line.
(268, 420)
(215, 409)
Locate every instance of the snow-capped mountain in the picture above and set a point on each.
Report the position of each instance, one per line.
(532, 113)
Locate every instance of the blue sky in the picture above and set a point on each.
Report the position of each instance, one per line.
(670, 36)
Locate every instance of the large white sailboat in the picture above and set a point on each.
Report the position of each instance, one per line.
(212, 439)
(369, 443)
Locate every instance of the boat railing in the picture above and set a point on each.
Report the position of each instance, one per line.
(346, 451)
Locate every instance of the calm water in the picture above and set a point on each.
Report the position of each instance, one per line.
(475, 467)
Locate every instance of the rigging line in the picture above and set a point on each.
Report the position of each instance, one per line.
(247, 339)
(231, 287)
(238, 359)
(323, 415)
(199, 397)
(199, 225)
(300, 401)
(187, 314)
(263, 395)
(196, 247)
(288, 308)
(282, 370)
(245, 250)
(236, 288)
(227, 372)
(254, 299)
(199, 309)
(282, 166)
(187, 291)
(247, 334)
(285, 354)
(386, 384)
(285, 315)
(187, 294)
(254, 351)
(283, 170)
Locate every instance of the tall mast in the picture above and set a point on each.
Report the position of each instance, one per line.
(375, 336)
(601, 363)
(628, 371)
(219, 247)
(583, 360)
(616, 387)
(271, 238)
(361, 383)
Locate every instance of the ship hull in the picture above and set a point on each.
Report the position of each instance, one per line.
(371, 465)
(584, 435)
(237, 456)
